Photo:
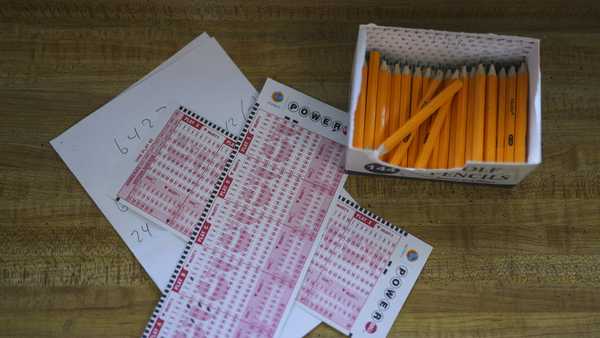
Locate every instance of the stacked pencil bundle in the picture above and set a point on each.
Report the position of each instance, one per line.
(422, 117)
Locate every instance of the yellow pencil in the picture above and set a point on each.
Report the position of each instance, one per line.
(461, 120)
(453, 121)
(444, 141)
(416, 119)
(359, 115)
(383, 101)
(491, 115)
(501, 115)
(522, 114)
(438, 122)
(427, 73)
(478, 114)
(415, 98)
(398, 156)
(370, 115)
(511, 114)
(470, 105)
(432, 87)
(396, 92)
(424, 128)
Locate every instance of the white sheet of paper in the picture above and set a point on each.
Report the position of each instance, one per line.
(200, 76)
(204, 79)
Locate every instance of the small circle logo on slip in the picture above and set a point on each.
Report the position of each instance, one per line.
(370, 327)
(412, 255)
(277, 96)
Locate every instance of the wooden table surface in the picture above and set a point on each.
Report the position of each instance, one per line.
(517, 262)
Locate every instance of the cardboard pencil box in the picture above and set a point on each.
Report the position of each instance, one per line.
(451, 49)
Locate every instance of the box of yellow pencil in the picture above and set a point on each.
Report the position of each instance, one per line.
(445, 105)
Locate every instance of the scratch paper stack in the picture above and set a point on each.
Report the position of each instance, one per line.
(236, 208)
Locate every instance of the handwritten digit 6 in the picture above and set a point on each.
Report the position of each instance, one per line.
(123, 150)
(121, 206)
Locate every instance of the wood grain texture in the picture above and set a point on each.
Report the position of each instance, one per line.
(518, 262)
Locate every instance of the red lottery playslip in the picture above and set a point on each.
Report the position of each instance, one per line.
(362, 271)
(250, 248)
(269, 225)
(177, 172)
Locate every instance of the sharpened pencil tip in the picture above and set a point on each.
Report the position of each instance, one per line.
(523, 68)
(418, 71)
(406, 70)
(480, 69)
(492, 70)
(448, 74)
(512, 71)
(472, 72)
(384, 66)
(502, 72)
(427, 72)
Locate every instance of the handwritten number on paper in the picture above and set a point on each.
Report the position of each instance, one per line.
(137, 235)
(134, 136)
(121, 206)
(123, 150)
(230, 123)
(147, 122)
(146, 228)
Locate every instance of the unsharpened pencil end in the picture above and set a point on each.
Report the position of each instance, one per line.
(380, 151)
(397, 68)
(406, 70)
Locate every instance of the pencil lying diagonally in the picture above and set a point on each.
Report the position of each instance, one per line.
(418, 118)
